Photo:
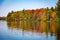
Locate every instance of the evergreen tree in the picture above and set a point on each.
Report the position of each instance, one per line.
(58, 9)
(58, 19)
(52, 9)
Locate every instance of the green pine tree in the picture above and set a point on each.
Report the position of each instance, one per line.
(58, 9)
(52, 9)
(58, 19)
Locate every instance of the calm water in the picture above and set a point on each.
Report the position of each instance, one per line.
(7, 33)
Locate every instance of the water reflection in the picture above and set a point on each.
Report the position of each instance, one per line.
(34, 26)
(15, 31)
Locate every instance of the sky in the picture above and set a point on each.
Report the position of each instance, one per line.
(7, 6)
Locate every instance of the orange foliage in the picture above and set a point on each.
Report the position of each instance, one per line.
(40, 13)
(52, 27)
(37, 11)
(41, 27)
(29, 11)
(42, 10)
(52, 16)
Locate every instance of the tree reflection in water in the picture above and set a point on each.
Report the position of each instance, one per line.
(38, 27)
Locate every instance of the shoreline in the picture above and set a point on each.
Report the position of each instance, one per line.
(2, 18)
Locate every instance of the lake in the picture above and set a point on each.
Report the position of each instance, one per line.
(7, 33)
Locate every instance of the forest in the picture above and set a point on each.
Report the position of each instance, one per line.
(38, 20)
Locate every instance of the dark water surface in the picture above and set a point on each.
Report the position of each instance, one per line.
(7, 33)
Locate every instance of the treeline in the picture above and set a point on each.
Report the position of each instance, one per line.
(42, 14)
(51, 17)
(2, 18)
(40, 20)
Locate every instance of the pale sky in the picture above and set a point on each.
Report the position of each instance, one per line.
(16, 5)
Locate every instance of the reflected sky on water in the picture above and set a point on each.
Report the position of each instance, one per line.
(7, 33)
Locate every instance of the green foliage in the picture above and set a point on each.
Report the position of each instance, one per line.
(31, 19)
(58, 9)
(52, 9)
